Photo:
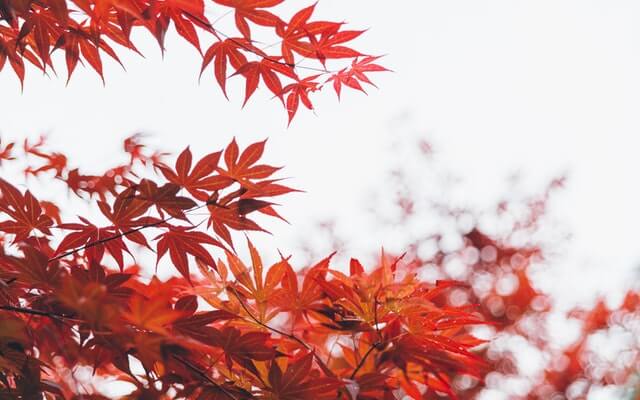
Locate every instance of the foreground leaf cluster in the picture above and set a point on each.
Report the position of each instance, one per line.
(76, 309)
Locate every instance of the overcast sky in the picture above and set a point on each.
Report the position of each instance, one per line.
(534, 88)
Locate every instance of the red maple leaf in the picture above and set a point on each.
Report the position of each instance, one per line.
(241, 167)
(251, 10)
(292, 32)
(198, 181)
(184, 14)
(153, 314)
(233, 215)
(222, 52)
(267, 69)
(299, 92)
(93, 241)
(355, 74)
(241, 347)
(24, 210)
(329, 44)
(299, 381)
(181, 241)
(165, 198)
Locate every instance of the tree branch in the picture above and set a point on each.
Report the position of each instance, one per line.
(31, 311)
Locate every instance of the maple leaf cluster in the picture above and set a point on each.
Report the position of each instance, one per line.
(85, 30)
(76, 310)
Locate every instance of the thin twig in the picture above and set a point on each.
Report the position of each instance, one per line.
(363, 359)
(31, 311)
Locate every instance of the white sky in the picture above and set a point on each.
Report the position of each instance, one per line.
(539, 87)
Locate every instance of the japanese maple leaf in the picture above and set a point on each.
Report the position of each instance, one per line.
(126, 208)
(299, 92)
(251, 10)
(42, 27)
(355, 74)
(222, 52)
(184, 13)
(329, 44)
(214, 391)
(241, 166)
(263, 288)
(114, 282)
(435, 353)
(299, 381)
(298, 300)
(291, 33)
(354, 298)
(24, 210)
(373, 385)
(94, 240)
(181, 241)
(9, 51)
(197, 181)
(77, 41)
(165, 198)
(241, 347)
(233, 215)
(34, 268)
(231, 210)
(266, 68)
(152, 314)
(195, 324)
